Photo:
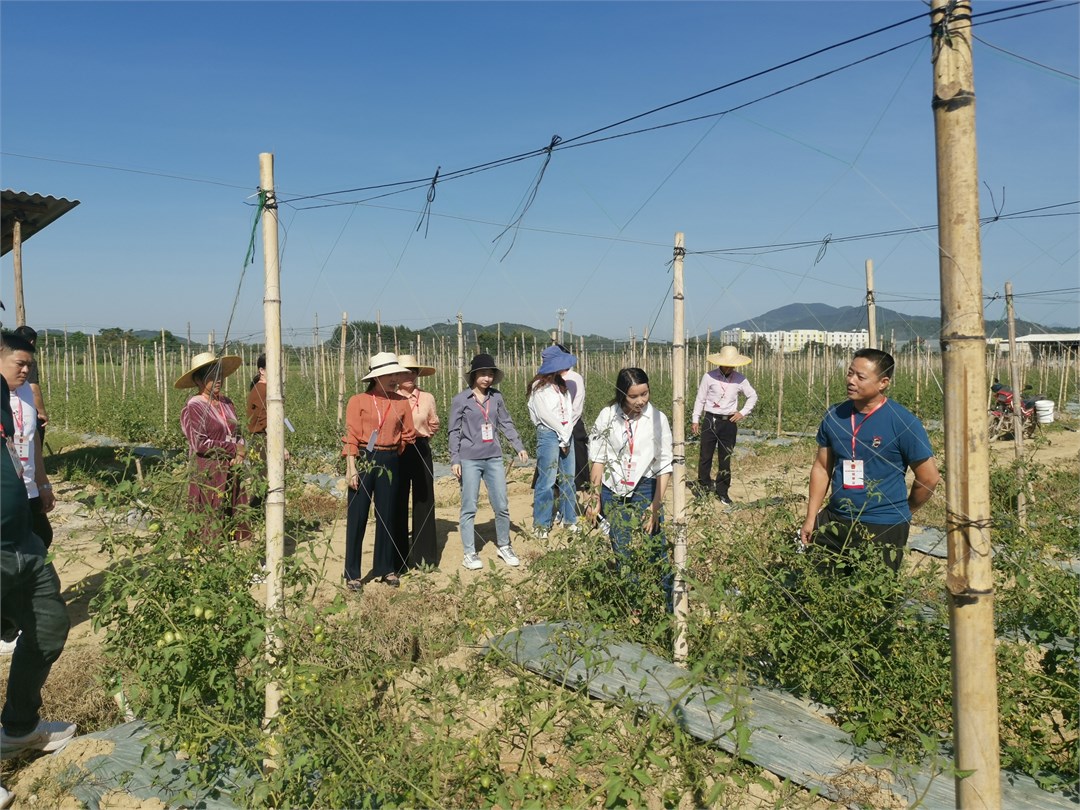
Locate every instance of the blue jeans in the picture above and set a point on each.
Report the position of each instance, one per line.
(624, 516)
(490, 470)
(550, 463)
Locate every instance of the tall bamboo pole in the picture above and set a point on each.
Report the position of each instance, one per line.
(871, 307)
(341, 368)
(460, 353)
(1017, 385)
(275, 430)
(680, 596)
(970, 579)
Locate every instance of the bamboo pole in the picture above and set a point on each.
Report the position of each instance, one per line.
(94, 370)
(275, 434)
(780, 396)
(680, 596)
(1017, 385)
(970, 579)
(341, 368)
(315, 358)
(460, 353)
(871, 308)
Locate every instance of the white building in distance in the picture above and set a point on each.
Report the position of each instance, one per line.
(794, 340)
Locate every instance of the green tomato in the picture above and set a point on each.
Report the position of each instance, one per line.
(485, 781)
(208, 614)
(197, 611)
(169, 638)
(547, 785)
(317, 629)
(178, 636)
(154, 528)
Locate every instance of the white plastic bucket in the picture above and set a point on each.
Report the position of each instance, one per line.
(1044, 411)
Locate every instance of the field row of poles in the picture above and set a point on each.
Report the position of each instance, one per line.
(332, 370)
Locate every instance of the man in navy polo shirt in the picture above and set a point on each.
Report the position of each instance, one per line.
(865, 447)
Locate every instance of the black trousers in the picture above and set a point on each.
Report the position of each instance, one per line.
(377, 488)
(416, 477)
(717, 433)
(581, 456)
(840, 534)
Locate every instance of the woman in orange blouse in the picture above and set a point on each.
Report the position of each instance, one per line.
(378, 428)
(416, 472)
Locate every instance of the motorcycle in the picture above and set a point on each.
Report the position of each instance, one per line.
(1001, 414)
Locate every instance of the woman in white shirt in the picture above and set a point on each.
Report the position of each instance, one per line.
(631, 456)
(551, 410)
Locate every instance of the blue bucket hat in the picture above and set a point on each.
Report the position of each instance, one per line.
(555, 359)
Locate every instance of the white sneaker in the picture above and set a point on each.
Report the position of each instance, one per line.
(47, 737)
(573, 528)
(472, 562)
(8, 647)
(6, 798)
(540, 533)
(508, 555)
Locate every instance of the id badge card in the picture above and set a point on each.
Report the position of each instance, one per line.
(629, 478)
(853, 474)
(487, 432)
(22, 448)
(15, 460)
(371, 441)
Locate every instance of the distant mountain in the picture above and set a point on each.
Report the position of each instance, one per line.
(889, 322)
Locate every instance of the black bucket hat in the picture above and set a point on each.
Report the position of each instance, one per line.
(482, 361)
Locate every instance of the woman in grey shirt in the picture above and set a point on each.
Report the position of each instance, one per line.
(477, 415)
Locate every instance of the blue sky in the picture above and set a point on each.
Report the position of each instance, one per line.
(153, 115)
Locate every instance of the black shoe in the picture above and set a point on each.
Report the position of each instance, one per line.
(725, 501)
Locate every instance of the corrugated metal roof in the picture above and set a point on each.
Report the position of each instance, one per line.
(33, 210)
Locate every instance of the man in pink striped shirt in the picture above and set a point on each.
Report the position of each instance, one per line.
(717, 409)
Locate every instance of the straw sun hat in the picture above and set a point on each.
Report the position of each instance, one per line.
(382, 364)
(728, 357)
(229, 363)
(413, 364)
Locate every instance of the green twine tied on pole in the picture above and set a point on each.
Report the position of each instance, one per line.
(250, 256)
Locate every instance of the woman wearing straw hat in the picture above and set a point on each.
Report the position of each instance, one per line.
(551, 410)
(476, 414)
(416, 473)
(717, 403)
(209, 422)
(378, 428)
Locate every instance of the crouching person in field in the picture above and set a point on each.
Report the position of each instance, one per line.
(30, 600)
(630, 452)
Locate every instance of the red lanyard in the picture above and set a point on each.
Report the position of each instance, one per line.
(855, 430)
(217, 407)
(630, 429)
(18, 419)
(485, 408)
(375, 402)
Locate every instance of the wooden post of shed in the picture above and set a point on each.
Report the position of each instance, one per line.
(16, 255)
(680, 596)
(970, 576)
